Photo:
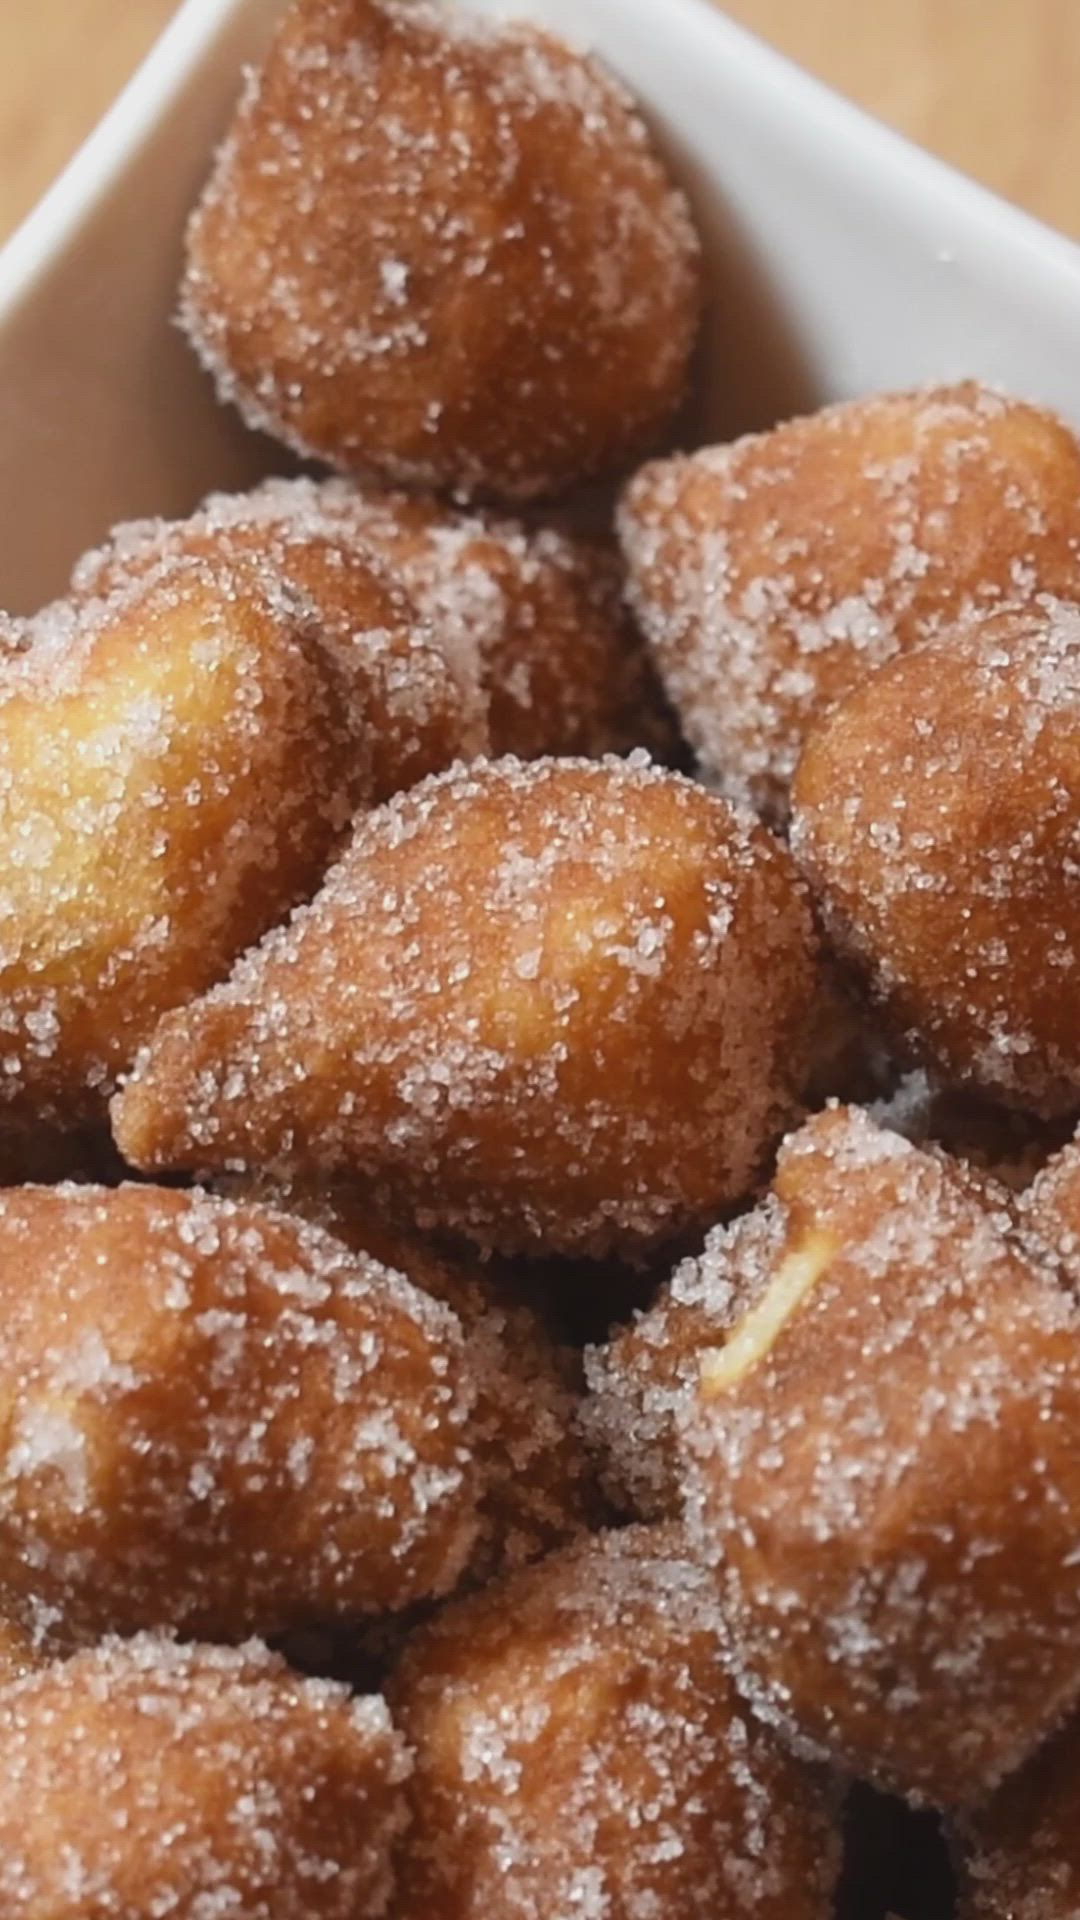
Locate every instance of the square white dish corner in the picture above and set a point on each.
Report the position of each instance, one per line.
(841, 260)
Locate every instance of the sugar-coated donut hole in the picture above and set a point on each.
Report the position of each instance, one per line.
(443, 251)
(143, 1777)
(646, 1377)
(890, 1449)
(935, 817)
(216, 1418)
(413, 703)
(575, 1728)
(773, 575)
(557, 1007)
(643, 1378)
(176, 769)
(539, 1484)
(530, 618)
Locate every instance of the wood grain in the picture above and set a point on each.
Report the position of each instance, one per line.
(990, 84)
(61, 62)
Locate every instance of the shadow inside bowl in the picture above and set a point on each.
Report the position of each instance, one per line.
(752, 367)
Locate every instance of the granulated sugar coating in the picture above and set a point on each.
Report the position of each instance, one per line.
(410, 694)
(18, 1654)
(773, 575)
(648, 1374)
(442, 251)
(1050, 1213)
(555, 1006)
(936, 815)
(540, 1488)
(176, 769)
(217, 1418)
(146, 1779)
(580, 1750)
(1004, 1148)
(883, 1464)
(1020, 1857)
(530, 618)
(342, 870)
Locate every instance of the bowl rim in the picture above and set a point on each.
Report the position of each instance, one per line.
(100, 161)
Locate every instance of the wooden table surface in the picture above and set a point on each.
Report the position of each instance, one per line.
(990, 84)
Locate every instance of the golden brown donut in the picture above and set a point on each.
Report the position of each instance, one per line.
(882, 1463)
(443, 251)
(645, 1379)
(214, 1417)
(176, 767)
(531, 618)
(413, 702)
(143, 1778)
(579, 1748)
(935, 815)
(1020, 1855)
(773, 575)
(555, 1006)
(540, 1489)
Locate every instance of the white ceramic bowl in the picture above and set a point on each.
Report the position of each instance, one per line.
(841, 259)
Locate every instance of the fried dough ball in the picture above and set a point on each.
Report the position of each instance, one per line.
(562, 668)
(773, 575)
(579, 1747)
(554, 1006)
(216, 1418)
(1021, 1854)
(443, 251)
(882, 1462)
(143, 1778)
(646, 1378)
(530, 618)
(644, 1381)
(539, 1486)
(936, 814)
(414, 701)
(176, 769)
